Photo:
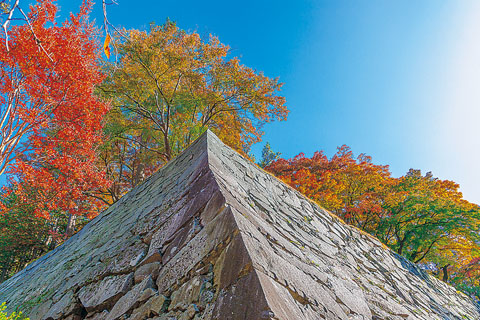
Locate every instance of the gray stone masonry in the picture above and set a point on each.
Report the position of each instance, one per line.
(212, 236)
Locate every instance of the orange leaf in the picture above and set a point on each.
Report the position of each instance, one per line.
(106, 46)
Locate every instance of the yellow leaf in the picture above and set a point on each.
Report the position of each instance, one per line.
(106, 46)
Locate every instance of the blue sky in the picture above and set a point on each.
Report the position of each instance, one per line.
(398, 80)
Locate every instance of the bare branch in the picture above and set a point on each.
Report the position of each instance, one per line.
(106, 23)
(7, 22)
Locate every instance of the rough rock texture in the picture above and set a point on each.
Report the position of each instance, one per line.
(211, 236)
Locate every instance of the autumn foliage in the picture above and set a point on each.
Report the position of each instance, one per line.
(424, 218)
(51, 126)
(49, 92)
(167, 88)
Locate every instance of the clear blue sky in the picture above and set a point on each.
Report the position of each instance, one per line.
(398, 80)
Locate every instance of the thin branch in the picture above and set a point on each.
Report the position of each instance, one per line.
(106, 23)
(141, 144)
(97, 197)
(7, 22)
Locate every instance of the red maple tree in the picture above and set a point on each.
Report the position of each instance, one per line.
(47, 76)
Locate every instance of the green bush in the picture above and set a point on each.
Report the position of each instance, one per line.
(12, 316)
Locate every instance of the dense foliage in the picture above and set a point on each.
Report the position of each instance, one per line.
(46, 96)
(421, 217)
(168, 87)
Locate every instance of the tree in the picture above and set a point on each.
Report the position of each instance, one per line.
(53, 122)
(467, 277)
(20, 113)
(353, 188)
(51, 126)
(167, 88)
(268, 156)
(427, 217)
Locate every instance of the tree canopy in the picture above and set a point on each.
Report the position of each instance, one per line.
(169, 86)
(76, 133)
(53, 121)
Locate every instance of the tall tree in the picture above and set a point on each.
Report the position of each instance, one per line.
(52, 122)
(51, 126)
(167, 88)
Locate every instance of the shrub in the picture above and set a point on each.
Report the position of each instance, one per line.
(13, 316)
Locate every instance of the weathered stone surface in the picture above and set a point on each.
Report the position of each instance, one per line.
(156, 303)
(103, 293)
(188, 293)
(151, 308)
(98, 316)
(139, 293)
(40, 310)
(65, 306)
(212, 236)
(146, 270)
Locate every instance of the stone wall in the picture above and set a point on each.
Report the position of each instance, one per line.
(212, 236)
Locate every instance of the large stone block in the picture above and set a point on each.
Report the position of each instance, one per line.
(104, 293)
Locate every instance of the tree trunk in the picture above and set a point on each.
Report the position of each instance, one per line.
(168, 151)
(445, 273)
(71, 225)
(4, 273)
(139, 174)
(51, 242)
(402, 243)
